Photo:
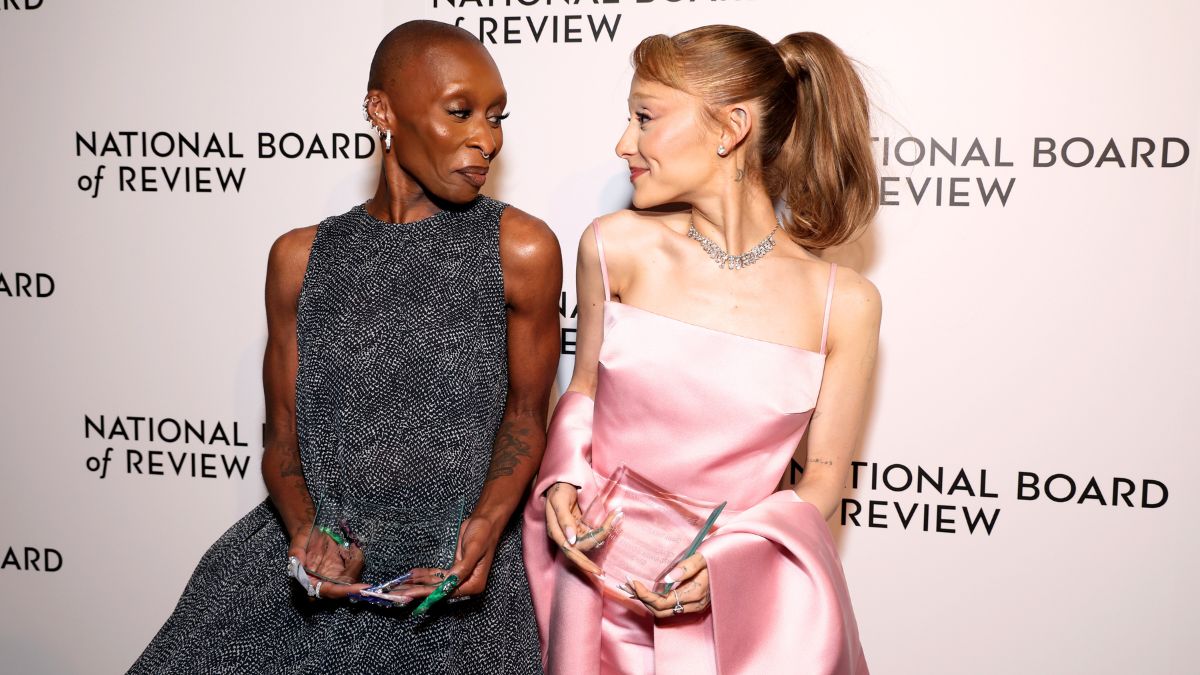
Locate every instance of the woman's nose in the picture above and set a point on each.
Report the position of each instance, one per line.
(485, 140)
(626, 145)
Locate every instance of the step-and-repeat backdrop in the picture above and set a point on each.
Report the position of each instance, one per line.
(1025, 497)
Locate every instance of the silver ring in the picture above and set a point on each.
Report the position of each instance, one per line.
(598, 543)
(318, 591)
(678, 608)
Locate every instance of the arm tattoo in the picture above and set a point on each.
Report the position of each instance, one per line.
(290, 465)
(512, 447)
(820, 460)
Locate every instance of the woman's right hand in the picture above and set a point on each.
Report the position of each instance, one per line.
(331, 561)
(566, 528)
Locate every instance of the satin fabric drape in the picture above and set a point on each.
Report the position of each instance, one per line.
(779, 598)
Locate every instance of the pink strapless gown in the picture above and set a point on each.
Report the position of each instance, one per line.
(717, 417)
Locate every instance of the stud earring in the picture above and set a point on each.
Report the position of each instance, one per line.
(387, 141)
(721, 151)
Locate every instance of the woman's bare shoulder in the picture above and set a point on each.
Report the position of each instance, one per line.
(856, 299)
(288, 259)
(629, 228)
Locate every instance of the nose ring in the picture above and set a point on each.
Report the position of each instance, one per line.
(486, 155)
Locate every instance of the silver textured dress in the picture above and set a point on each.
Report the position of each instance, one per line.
(401, 387)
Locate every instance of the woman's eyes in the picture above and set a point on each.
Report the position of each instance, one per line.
(465, 114)
(641, 118)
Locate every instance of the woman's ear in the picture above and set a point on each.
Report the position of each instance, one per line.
(376, 108)
(736, 124)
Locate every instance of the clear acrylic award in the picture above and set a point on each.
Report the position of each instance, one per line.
(360, 543)
(655, 531)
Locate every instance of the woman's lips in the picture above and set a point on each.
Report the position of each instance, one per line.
(635, 173)
(476, 176)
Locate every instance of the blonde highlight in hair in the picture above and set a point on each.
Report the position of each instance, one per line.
(812, 147)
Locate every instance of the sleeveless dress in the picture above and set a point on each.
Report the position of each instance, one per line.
(402, 381)
(717, 417)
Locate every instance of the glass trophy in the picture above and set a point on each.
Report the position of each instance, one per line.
(657, 530)
(353, 542)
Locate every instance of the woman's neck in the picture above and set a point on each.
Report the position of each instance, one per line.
(399, 198)
(737, 218)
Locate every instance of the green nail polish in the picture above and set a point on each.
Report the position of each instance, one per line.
(334, 535)
(445, 588)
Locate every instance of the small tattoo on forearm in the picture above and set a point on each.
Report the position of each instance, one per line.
(511, 449)
(820, 460)
(291, 466)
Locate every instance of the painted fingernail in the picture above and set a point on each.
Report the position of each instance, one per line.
(571, 536)
(674, 575)
(619, 518)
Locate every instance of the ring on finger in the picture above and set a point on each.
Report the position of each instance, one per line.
(678, 608)
(317, 591)
(592, 535)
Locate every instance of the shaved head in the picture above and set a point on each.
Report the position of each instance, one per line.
(437, 100)
(409, 40)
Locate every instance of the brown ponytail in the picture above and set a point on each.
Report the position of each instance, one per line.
(813, 145)
(826, 171)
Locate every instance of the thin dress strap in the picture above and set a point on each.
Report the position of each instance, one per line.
(828, 305)
(603, 265)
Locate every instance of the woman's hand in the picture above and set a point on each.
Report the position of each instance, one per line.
(335, 569)
(689, 594)
(565, 526)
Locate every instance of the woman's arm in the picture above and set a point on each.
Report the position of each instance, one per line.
(281, 467)
(837, 422)
(589, 289)
(567, 459)
(532, 265)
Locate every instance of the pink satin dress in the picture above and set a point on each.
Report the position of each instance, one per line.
(715, 416)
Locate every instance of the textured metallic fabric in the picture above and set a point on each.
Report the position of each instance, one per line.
(402, 382)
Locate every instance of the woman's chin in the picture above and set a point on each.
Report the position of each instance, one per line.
(642, 201)
(459, 196)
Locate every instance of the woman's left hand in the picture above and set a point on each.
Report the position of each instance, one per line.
(690, 591)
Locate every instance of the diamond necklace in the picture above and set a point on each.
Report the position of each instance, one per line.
(733, 262)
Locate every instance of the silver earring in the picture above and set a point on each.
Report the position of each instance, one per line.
(721, 151)
(366, 115)
(387, 141)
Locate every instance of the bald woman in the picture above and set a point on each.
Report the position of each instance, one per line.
(412, 342)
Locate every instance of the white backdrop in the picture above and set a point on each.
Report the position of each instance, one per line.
(1050, 332)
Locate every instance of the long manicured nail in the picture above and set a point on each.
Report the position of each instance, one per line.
(571, 536)
(674, 575)
(619, 518)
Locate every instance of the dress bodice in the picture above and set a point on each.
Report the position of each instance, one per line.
(702, 412)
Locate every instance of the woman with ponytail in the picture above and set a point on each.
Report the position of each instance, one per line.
(704, 377)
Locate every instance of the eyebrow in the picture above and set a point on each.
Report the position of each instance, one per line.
(461, 87)
(650, 97)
